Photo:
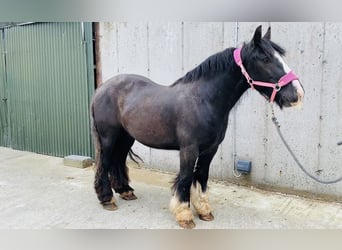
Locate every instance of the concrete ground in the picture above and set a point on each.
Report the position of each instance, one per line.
(38, 191)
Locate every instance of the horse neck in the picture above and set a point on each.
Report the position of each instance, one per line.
(224, 89)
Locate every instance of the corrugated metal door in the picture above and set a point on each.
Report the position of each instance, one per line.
(3, 94)
(49, 82)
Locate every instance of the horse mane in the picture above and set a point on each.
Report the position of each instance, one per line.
(213, 64)
(221, 61)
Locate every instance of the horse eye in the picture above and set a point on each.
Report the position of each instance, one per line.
(266, 59)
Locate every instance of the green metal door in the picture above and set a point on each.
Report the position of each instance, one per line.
(50, 81)
(3, 94)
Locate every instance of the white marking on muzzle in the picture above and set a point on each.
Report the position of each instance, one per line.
(295, 83)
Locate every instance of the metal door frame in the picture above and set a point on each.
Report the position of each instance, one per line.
(4, 115)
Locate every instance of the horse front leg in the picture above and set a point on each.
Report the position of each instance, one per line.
(199, 194)
(180, 201)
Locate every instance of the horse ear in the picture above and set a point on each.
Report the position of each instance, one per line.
(257, 35)
(267, 36)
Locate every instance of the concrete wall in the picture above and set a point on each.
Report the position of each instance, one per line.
(166, 51)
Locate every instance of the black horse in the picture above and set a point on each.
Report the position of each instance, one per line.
(191, 116)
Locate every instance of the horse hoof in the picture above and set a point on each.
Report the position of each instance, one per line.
(187, 224)
(206, 217)
(110, 205)
(128, 196)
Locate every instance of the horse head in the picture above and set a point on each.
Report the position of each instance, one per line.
(265, 70)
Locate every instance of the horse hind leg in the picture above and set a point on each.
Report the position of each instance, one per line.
(104, 159)
(119, 174)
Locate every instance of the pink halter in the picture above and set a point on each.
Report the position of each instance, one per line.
(284, 80)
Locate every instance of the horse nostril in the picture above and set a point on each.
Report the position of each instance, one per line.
(294, 100)
(291, 99)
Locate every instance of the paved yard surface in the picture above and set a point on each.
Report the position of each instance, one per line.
(38, 191)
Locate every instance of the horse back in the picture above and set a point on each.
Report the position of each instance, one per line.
(123, 94)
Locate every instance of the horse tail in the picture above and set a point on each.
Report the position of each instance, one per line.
(134, 157)
(95, 134)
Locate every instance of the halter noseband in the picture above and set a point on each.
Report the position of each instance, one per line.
(283, 81)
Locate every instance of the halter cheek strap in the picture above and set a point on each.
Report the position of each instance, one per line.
(284, 80)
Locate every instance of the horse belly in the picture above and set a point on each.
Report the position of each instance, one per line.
(152, 135)
(150, 127)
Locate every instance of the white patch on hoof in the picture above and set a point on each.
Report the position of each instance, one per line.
(200, 200)
(181, 210)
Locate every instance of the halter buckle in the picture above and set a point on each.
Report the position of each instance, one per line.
(277, 87)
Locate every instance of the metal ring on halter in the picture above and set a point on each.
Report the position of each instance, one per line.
(277, 87)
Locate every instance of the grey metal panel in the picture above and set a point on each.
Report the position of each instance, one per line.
(49, 87)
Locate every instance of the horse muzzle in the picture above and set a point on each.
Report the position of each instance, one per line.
(300, 93)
